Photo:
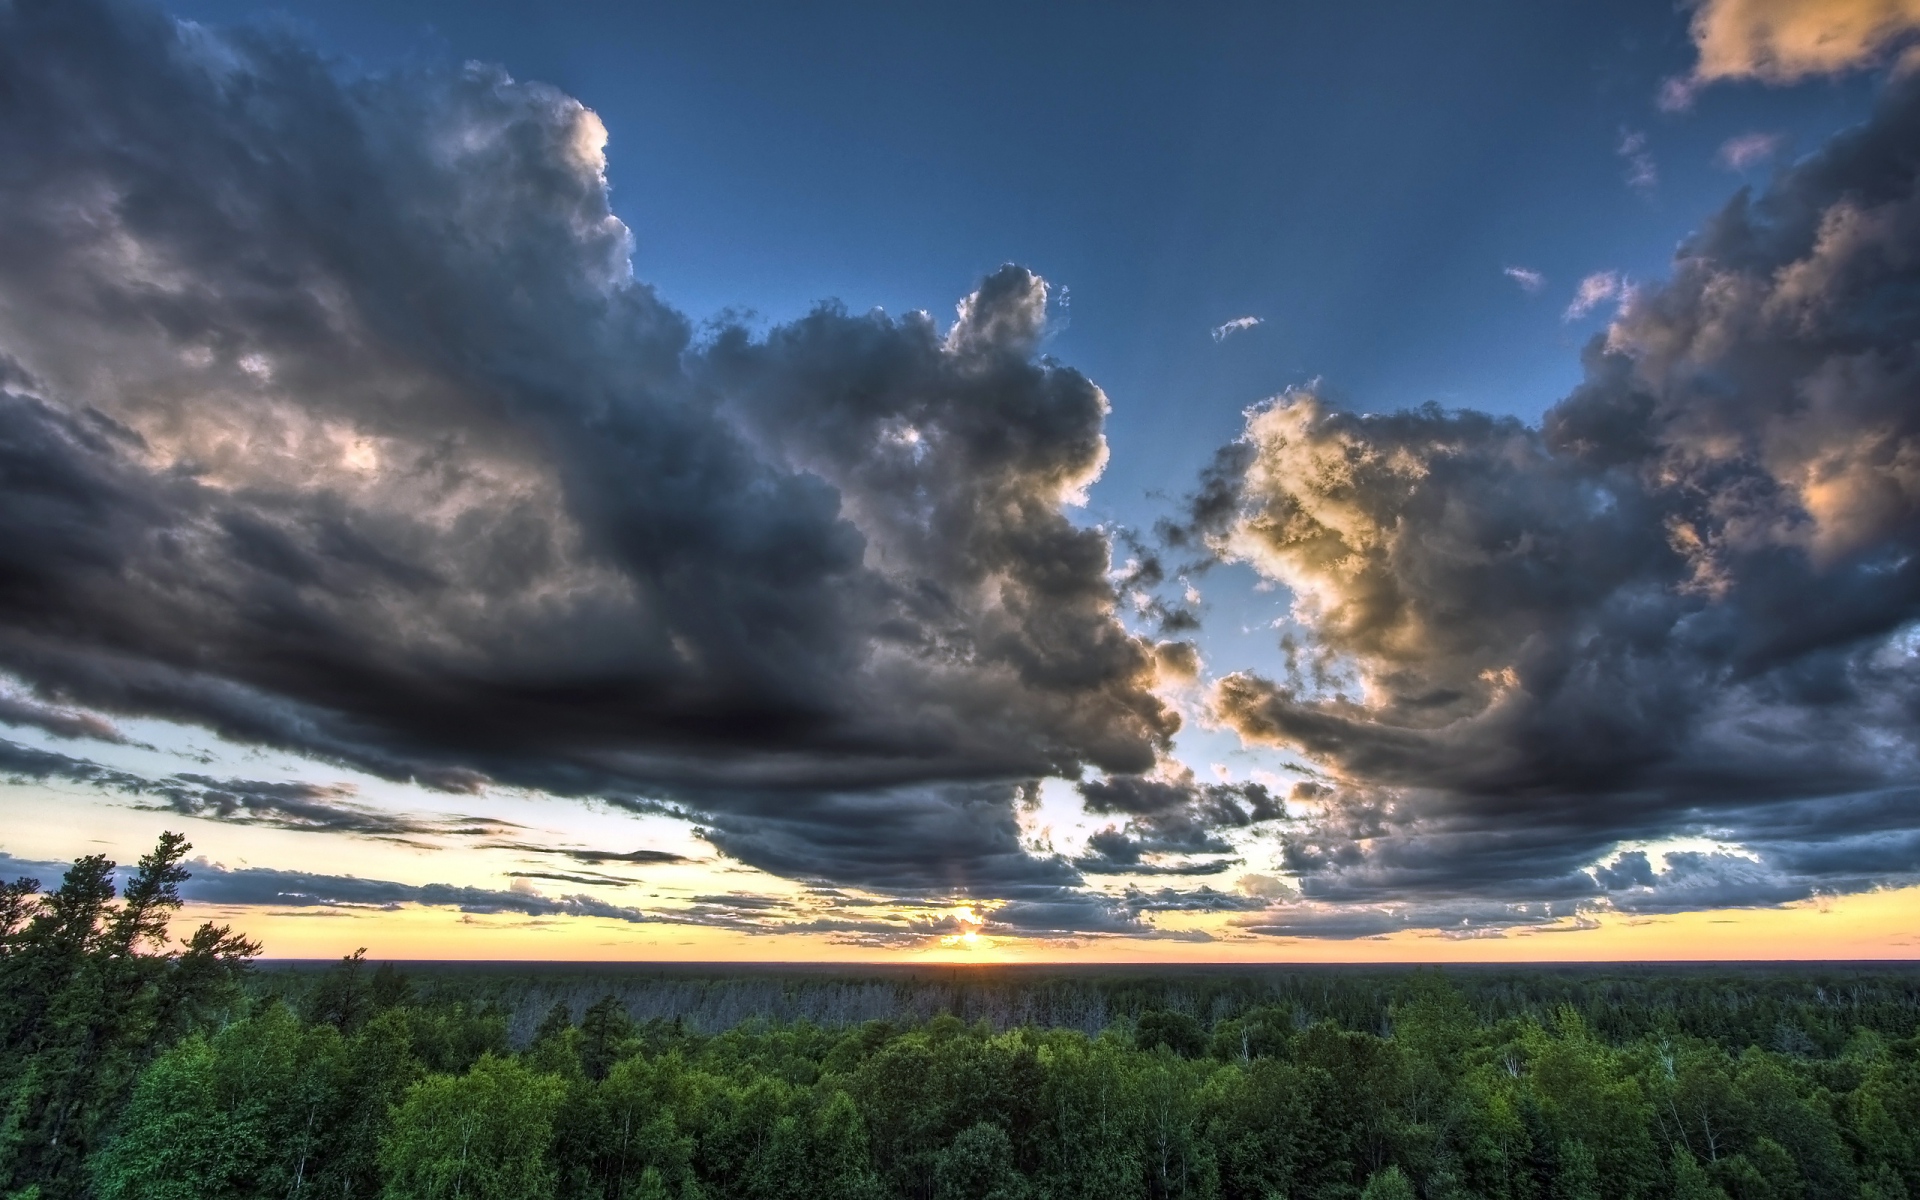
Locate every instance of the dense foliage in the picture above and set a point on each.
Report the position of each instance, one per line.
(360, 1082)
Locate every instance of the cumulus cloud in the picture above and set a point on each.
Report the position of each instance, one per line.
(332, 419)
(1222, 332)
(1530, 281)
(1686, 603)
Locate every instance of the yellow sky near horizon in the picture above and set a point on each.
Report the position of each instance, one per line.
(1876, 925)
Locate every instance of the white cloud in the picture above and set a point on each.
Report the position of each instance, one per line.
(1222, 332)
(1676, 94)
(1529, 280)
(1641, 171)
(1595, 290)
(1748, 150)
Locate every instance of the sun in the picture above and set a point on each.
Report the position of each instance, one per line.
(968, 937)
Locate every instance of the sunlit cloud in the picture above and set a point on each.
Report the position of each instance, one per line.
(1239, 324)
(1748, 150)
(1782, 41)
(1785, 41)
(1595, 290)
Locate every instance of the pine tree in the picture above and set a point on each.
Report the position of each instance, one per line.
(90, 992)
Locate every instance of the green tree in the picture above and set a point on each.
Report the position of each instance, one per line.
(90, 991)
(268, 1106)
(1176, 1031)
(343, 996)
(1092, 1145)
(1595, 1111)
(242, 1114)
(555, 1049)
(978, 1166)
(1256, 1116)
(1388, 1184)
(1690, 1180)
(604, 1031)
(480, 1136)
(1577, 1176)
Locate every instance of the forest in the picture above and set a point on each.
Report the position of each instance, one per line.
(137, 1068)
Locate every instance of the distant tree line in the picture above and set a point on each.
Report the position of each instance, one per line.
(132, 1071)
(1809, 1009)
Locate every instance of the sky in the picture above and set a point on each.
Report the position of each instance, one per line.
(990, 482)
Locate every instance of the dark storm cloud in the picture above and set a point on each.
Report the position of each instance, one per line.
(333, 420)
(1686, 603)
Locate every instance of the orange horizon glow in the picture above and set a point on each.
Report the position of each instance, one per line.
(1865, 927)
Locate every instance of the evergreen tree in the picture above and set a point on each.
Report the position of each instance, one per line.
(90, 993)
(344, 996)
(604, 1031)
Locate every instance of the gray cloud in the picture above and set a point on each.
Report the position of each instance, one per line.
(210, 883)
(1112, 851)
(1342, 922)
(22, 763)
(1691, 879)
(59, 721)
(318, 808)
(1169, 814)
(583, 880)
(594, 858)
(282, 804)
(837, 917)
(333, 420)
(1200, 899)
(1687, 603)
